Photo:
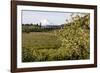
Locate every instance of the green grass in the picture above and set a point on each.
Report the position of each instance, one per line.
(39, 46)
(40, 40)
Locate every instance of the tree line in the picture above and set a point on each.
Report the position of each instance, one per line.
(38, 27)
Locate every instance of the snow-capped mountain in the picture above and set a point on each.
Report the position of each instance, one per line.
(46, 22)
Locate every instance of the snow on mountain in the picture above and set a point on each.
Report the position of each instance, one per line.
(45, 22)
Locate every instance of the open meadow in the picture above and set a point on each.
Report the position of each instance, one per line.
(40, 40)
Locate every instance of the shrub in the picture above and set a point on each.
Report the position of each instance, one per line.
(75, 39)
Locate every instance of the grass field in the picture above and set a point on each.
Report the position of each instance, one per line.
(39, 46)
(40, 40)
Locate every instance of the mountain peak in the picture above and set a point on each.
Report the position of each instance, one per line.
(45, 22)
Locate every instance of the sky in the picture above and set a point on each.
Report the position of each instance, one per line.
(45, 17)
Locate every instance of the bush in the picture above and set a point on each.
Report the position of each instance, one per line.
(27, 55)
(76, 39)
